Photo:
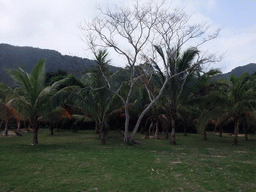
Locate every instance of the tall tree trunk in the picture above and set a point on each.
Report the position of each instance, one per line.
(102, 137)
(165, 124)
(156, 136)
(221, 130)
(27, 125)
(184, 126)
(126, 126)
(18, 126)
(142, 127)
(173, 141)
(51, 128)
(149, 129)
(146, 110)
(205, 135)
(1, 124)
(35, 135)
(102, 132)
(185, 129)
(6, 129)
(236, 131)
(97, 129)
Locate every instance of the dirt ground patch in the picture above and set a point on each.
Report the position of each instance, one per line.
(11, 133)
(241, 151)
(225, 134)
(218, 156)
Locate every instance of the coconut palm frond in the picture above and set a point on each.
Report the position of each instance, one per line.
(20, 78)
(223, 118)
(186, 59)
(37, 77)
(82, 118)
(161, 53)
(207, 115)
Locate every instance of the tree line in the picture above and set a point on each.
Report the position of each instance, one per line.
(164, 78)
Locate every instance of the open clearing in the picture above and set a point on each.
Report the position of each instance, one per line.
(70, 161)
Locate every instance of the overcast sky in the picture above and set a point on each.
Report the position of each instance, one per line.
(53, 24)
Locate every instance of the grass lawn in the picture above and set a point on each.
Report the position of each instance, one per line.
(78, 162)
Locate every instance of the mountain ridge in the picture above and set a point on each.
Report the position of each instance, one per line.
(15, 56)
(237, 71)
(27, 57)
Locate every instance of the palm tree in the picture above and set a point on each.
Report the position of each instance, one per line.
(29, 97)
(232, 102)
(202, 86)
(55, 115)
(89, 98)
(181, 67)
(6, 114)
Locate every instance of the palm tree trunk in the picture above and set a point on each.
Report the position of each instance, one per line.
(149, 130)
(126, 126)
(156, 136)
(236, 131)
(18, 126)
(142, 127)
(51, 128)
(146, 110)
(185, 129)
(184, 126)
(173, 142)
(17, 130)
(35, 135)
(27, 125)
(97, 130)
(102, 132)
(205, 135)
(6, 129)
(221, 130)
(102, 137)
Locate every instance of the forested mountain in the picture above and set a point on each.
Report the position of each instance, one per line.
(249, 68)
(27, 57)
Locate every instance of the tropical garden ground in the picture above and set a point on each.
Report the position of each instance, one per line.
(70, 161)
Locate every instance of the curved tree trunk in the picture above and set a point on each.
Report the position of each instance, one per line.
(27, 126)
(149, 129)
(156, 136)
(5, 133)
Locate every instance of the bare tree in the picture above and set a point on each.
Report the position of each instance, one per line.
(133, 31)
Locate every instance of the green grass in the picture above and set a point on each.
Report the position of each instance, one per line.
(78, 162)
